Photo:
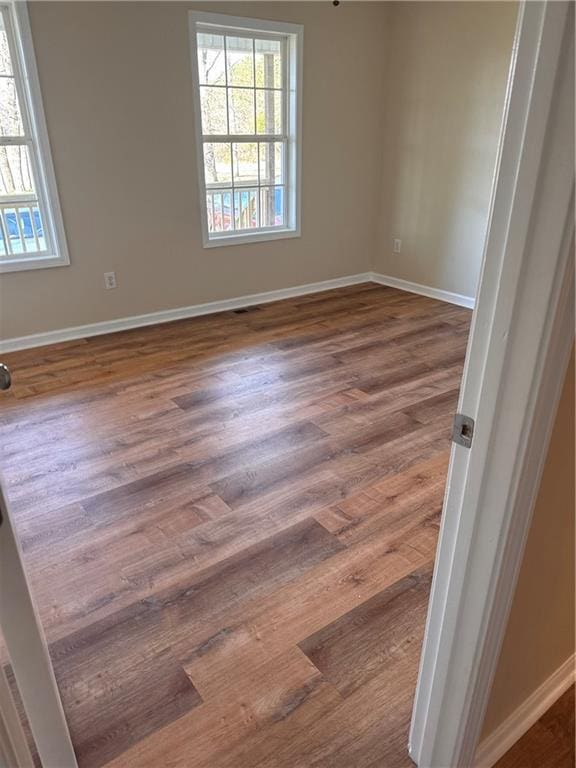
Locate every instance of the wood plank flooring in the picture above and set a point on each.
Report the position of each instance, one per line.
(550, 743)
(230, 523)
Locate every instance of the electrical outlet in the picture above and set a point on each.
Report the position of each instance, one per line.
(397, 246)
(109, 280)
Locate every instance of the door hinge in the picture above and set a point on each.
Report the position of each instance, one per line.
(5, 378)
(463, 430)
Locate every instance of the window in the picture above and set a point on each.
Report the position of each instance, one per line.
(31, 232)
(247, 104)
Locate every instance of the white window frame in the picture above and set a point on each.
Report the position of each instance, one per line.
(36, 138)
(293, 35)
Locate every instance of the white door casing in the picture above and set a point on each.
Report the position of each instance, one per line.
(14, 750)
(521, 337)
(24, 639)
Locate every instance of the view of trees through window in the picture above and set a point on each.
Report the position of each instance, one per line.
(21, 230)
(242, 94)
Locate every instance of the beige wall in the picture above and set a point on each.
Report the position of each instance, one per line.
(118, 99)
(447, 68)
(402, 107)
(540, 632)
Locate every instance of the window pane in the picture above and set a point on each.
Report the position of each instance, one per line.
(246, 208)
(27, 229)
(268, 63)
(10, 116)
(217, 164)
(213, 110)
(239, 51)
(15, 171)
(269, 112)
(21, 230)
(5, 61)
(211, 69)
(241, 107)
(243, 81)
(271, 162)
(39, 228)
(272, 206)
(245, 160)
(15, 244)
(219, 207)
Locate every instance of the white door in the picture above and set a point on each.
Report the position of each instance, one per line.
(26, 645)
(521, 338)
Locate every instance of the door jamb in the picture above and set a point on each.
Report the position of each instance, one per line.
(28, 652)
(522, 334)
(14, 748)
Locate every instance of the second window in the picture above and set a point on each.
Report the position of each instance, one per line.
(246, 98)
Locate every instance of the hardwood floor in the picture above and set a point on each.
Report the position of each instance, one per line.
(550, 743)
(230, 523)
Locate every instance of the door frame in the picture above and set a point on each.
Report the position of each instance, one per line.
(14, 748)
(28, 653)
(521, 338)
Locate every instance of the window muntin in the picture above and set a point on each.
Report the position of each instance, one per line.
(246, 97)
(28, 236)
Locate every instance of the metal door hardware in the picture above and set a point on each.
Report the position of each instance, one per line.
(463, 430)
(5, 377)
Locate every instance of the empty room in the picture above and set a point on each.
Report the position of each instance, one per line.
(241, 246)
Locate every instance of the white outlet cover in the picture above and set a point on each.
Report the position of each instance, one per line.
(109, 280)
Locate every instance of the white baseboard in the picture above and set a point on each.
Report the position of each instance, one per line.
(168, 315)
(522, 719)
(225, 305)
(424, 290)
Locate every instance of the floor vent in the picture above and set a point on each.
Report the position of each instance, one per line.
(244, 310)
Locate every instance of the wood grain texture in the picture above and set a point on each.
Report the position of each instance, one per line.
(353, 649)
(550, 743)
(230, 523)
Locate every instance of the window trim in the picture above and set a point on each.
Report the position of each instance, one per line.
(294, 35)
(28, 83)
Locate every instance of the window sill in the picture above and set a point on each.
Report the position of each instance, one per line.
(32, 262)
(259, 237)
